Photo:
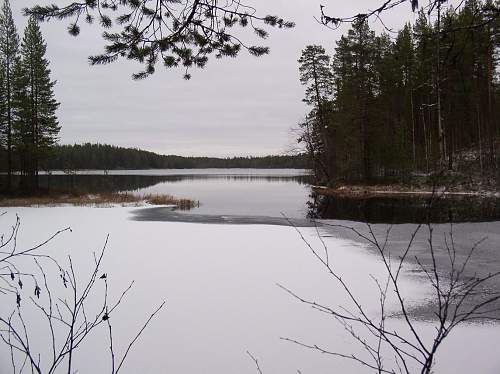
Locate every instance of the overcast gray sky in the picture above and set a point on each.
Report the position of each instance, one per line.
(233, 107)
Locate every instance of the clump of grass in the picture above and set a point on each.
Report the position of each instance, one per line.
(99, 199)
(182, 204)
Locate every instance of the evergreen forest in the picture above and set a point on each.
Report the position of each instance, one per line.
(28, 124)
(422, 101)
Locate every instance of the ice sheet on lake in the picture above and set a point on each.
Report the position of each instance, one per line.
(219, 282)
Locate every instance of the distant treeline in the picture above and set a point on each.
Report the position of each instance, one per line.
(107, 157)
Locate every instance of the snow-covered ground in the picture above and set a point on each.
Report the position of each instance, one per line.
(222, 299)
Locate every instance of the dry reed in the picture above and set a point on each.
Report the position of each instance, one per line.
(99, 199)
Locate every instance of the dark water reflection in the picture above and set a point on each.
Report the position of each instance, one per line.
(405, 210)
(132, 183)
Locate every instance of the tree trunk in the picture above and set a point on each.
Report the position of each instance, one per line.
(9, 129)
(441, 134)
(413, 129)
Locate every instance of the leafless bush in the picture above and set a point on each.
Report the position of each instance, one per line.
(62, 304)
(458, 298)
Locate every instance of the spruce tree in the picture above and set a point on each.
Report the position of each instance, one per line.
(21, 118)
(363, 49)
(36, 122)
(9, 46)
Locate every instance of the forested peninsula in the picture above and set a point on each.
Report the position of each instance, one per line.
(422, 103)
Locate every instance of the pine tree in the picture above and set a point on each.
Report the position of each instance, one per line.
(170, 32)
(424, 87)
(315, 74)
(9, 46)
(37, 123)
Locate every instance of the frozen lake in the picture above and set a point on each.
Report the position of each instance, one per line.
(220, 283)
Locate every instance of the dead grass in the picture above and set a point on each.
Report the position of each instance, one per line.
(182, 204)
(99, 200)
